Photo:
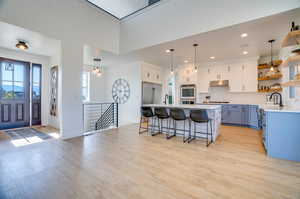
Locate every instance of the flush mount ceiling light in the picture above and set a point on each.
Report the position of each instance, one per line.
(186, 61)
(244, 35)
(195, 57)
(22, 45)
(212, 57)
(245, 52)
(168, 50)
(172, 60)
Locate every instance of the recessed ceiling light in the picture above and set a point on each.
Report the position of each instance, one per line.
(22, 45)
(244, 35)
(212, 57)
(168, 50)
(245, 52)
(186, 61)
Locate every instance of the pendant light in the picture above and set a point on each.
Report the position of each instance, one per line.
(172, 60)
(97, 67)
(272, 64)
(195, 57)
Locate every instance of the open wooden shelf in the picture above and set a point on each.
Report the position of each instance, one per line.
(272, 77)
(291, 60)
(292, 38)
(266, 66)
(270, 90)
(295, 83)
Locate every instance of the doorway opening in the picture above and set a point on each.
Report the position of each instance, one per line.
(20, 93)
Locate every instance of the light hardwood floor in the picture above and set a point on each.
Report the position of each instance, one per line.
(7, 145)
(120, 164)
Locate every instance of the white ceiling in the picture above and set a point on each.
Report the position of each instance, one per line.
(120, 8)
(38, 44)
(223, 44)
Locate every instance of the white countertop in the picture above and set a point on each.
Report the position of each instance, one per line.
(184, 106)
(287, 109)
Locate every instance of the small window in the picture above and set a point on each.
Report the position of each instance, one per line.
(292, 89)
(85, 86)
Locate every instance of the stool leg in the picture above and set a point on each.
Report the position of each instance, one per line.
(207, 134)
(168, 128)
(184, 131)
(211, 134)
(140, 125)
(152, 125)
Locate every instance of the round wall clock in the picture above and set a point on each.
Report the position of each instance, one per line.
(120, 91)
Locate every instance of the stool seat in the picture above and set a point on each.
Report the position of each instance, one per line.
(146, 114)
(178, 114)
(201, 116)
(161, 114)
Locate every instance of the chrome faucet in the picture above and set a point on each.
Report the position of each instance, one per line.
(280, 98)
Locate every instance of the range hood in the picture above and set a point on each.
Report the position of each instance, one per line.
(219, 83)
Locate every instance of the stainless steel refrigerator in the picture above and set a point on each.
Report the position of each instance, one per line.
(151, 93)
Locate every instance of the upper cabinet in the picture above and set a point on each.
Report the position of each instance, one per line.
(151, 73)
(242, 75)
(204, 75)
(187, 75)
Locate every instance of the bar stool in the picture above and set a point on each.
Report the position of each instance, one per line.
(161, 114)
(177, 115)
(200, 117)
(146, 113)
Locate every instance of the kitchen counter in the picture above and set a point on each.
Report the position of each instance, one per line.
(185, 106)
(285, 109)
(213, 111)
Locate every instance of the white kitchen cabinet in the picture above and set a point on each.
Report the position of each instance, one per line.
(236, 78)
(151, 73)
(203, 79)
(250, 81)
(187, 75)
(243, 77)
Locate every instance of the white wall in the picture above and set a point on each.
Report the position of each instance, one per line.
(130, 111)
(174, 19)
(223, 94)
(38, 59)
(97, 84)
(74, 23)
(54, 121)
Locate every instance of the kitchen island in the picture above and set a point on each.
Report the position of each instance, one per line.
(213, 111)
(281, 132)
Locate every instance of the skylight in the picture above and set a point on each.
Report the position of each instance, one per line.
(122, 8)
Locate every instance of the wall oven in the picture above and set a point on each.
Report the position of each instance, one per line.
(188, 94)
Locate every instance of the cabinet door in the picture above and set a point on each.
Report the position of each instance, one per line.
(223, 72)
(236, 78)
(203, 79)
(253, 116)
(146, 75)
(235, 114)
(245, 115)
(156, 76)
(250, 81)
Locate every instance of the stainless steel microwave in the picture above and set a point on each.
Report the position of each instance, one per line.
(188, 91)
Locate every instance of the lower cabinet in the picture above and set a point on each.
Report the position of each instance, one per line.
(241, 115)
